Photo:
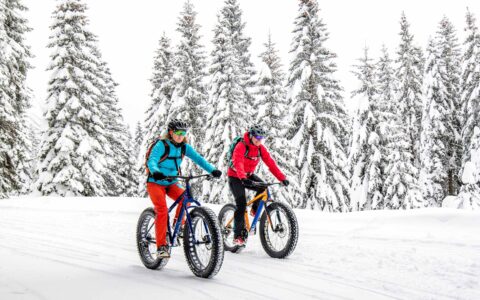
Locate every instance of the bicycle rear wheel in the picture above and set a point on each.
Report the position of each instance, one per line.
(224, 217)
(146, 244)
(203, 245)
(279, 238)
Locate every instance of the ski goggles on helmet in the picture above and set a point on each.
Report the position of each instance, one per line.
(180, 132)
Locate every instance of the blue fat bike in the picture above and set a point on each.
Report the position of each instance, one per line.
(201, 235)
(278, 224)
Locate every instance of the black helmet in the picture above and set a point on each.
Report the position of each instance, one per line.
(177, 124)
(257, 130)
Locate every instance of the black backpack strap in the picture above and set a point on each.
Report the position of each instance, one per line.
(167, 151)
(183, 150)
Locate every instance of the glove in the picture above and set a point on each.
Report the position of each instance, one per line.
(216, 173)
(285, 182)
(247, 182)
(158, 176)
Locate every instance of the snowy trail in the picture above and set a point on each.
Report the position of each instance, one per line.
(85, 248)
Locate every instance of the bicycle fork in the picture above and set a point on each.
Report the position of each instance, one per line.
(269, 219)
(189, 223)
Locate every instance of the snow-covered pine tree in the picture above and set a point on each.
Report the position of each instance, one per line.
(401, 171)
(318, 130)
(450, 55)
(408, 100)
(365, 156)
(128, 171)
(138, 160)
(138, 140)
(74, 148)
(120, 174)
(8, 172)
(158, 113)
(232, 13)
(437, 130)
(272, 113)
(469, 195)
(123, 180)
(189, 98)
(34, 137)
(401, 189)
(18, 52)
(230, 92)
(190, 95)
(227, 107)
(385, 78)
(16, 61)
(400, 184)
(470, 84)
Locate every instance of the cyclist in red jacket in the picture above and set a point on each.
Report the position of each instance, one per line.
(245, 158)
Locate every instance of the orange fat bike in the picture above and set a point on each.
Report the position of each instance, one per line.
(278, 225)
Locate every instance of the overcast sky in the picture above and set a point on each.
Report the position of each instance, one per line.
(129, 31)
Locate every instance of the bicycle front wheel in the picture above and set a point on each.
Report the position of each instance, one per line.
(279, 232)
(203, 245)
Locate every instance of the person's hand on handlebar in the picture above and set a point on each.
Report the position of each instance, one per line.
(158, 176)
(216, 173)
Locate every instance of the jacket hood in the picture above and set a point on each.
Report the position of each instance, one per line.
(246, 139)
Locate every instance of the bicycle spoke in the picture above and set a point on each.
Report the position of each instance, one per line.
(202, 246)
(278, 236)
(228, 231)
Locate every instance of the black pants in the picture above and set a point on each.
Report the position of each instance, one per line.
(238, 191)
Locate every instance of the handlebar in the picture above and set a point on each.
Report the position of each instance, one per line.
(209, 176)
(188, 177)
(264, 184)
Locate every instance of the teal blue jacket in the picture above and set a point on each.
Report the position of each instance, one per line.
(168, 167)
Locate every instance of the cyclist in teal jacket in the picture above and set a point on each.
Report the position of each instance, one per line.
(165, 160)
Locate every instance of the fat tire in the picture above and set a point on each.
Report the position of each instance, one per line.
(217, 252)
(293, 236)
(145, 256)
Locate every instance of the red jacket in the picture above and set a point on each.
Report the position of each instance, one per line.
(244, 166)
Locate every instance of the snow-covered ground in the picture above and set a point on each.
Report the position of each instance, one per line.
(84, 248)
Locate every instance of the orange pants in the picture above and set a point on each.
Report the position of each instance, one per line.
(157, 194)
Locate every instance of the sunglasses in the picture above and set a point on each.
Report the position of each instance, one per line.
(180, 132)
(259, 137)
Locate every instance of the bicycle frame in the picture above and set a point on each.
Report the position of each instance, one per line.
(263, 197)
(185, 199)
